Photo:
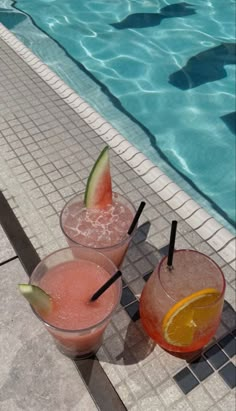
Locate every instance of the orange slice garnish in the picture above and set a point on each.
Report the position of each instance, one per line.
(189, 316)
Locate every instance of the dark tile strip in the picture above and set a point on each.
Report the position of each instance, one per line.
(98, 384)
(16, 235)
(228, 343)
(133, 310)
(228, 373)
(186, 380)
(216, 356)
(127, 296)
(201, 368)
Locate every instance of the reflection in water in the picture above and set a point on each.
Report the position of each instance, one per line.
(10, 19)
(230, 121)
(205, 67)
(142, 20)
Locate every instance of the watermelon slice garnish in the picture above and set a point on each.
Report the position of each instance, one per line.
(98, 193)
(40, 300)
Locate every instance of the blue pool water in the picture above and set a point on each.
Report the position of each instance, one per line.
(162, 72)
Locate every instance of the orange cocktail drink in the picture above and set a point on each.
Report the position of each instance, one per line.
(180, 307)
(71, 277)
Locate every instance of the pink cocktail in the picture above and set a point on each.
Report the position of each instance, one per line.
(103, 229)
(71, 277)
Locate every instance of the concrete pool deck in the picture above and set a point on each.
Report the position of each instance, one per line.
(49, 139)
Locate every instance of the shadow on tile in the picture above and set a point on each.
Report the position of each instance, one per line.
(142, 232)
(132, 348)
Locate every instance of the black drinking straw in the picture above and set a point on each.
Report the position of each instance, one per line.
(105, 286)
(136, 217)
(172, 244)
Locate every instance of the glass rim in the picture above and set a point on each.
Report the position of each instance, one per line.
(91, 327)
(221, 293)
(124, 239)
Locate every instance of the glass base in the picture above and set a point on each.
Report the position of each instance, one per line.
(75, 355)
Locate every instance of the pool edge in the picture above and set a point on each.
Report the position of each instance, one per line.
(214, 233)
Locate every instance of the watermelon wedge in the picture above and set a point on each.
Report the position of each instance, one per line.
(40, 300)
(98, 193)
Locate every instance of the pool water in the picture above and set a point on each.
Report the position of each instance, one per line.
(166, 69)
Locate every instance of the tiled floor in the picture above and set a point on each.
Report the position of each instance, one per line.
(47, 148)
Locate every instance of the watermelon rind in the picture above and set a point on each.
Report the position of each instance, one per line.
(98, 193)
(38, 298)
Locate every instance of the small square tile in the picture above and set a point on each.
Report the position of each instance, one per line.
(146, 349)
(47, 211)
(154, 372)
(228, 403)
(134, 254)
(170, 363)
(138, 384)
(48, 188)
(228, 343)
(127, 296)
(216, 356)
(139, 236)
(137, 287)
(150, 402)
(201, 368)
(228, 373)
(54, 197)
(169, 392)
(121, 320)
(125, 394)
(143, 265)
(133, 311)
(229, 273)
(228, 316)
(230, 297)
(216, 387)
(186, 380)
(221, 331)
(200, 399)
(125, 363)
(182, 405)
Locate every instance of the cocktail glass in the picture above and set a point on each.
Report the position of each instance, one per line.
(104, 230)
(71, 276)
(180, 308)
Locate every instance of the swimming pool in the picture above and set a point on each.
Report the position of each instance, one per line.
(161, 72)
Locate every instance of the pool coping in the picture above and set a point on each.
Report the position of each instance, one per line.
(210, 230)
